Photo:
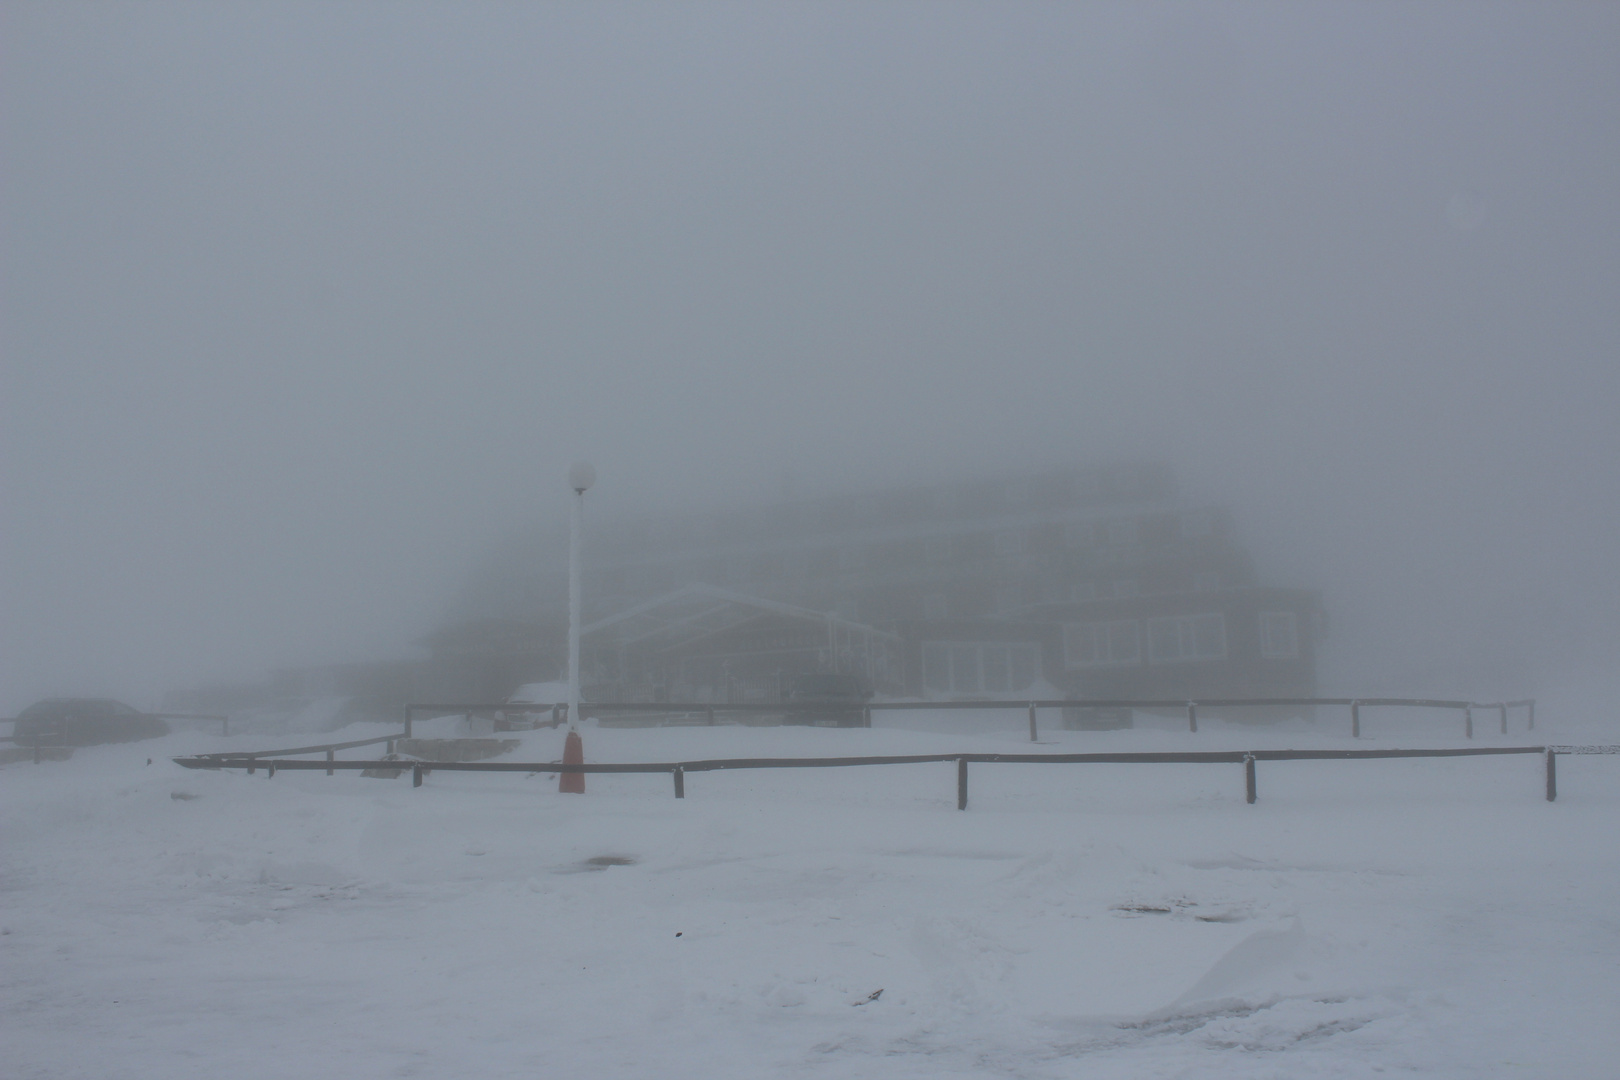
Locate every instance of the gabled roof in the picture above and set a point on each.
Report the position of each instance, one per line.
(698, 611)
(483, 635)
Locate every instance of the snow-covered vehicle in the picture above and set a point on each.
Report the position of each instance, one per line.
(544, 694)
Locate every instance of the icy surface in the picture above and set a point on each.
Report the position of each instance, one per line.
(1430, 918)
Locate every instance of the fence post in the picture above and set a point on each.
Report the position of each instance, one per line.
(961, 783)
(1503, 709)
(270, 773)
(330, 754)
(1249, 793)
(390, 748)
(680, 782)
(1532, 714)
(1552, 776)
(1192, 717)
(1468, 721)
(416, 776)
(1355, 719)
(1032, 721)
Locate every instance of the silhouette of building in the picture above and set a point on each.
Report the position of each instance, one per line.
(1090, 582)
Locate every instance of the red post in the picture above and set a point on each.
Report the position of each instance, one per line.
(572, 783)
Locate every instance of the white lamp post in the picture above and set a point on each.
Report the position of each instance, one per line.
(580, 477)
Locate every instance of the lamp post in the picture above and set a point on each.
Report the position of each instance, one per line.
(580, 477)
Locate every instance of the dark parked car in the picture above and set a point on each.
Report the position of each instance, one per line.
(84, 722)
(838, 700)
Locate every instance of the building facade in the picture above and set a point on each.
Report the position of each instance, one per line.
(1093, 582)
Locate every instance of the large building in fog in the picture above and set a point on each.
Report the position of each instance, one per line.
(1096, 582)
(1082, 583)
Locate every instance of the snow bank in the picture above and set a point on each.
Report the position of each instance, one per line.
(1433, 918)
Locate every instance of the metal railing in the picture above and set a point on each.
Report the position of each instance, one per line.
(712, 710)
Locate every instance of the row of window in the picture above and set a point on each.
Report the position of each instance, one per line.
(957, 667)
(1010, 597)
(1004, 544)
(1053, 492)
(967, 667)
(1172, 639)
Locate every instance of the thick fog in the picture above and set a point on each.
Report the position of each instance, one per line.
(306, 306)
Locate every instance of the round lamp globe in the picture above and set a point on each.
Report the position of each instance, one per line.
(581, 475)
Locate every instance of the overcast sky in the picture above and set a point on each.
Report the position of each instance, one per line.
(303, 303)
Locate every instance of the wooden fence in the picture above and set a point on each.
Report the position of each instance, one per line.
(678, 769)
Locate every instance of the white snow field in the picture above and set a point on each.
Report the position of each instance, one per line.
(1433, 918)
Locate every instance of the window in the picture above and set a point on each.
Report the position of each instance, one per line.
(1279, 635)
(958, 667)
(934, 606)
(1095, 644)
(1187, 637)
(1009, 542)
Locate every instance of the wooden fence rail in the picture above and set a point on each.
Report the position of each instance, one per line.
(678, 769)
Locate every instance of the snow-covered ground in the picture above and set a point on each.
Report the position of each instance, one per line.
(1432, 918)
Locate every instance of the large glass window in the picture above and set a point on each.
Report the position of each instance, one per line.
(1094, 644)
(961, 667)
(1177, 638)
(936, 667)
(1279, 635)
